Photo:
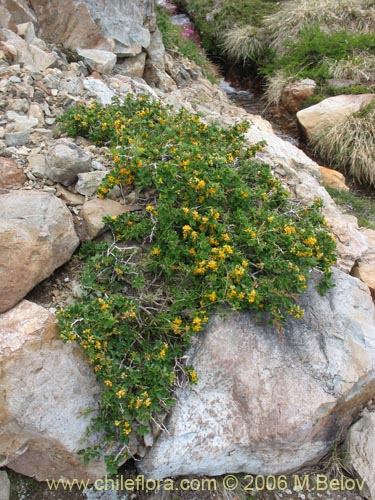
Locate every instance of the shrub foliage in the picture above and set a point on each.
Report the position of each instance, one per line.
(214, 228)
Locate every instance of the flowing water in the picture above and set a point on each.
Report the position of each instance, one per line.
(244, 92)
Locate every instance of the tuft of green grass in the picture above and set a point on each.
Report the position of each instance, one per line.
(350, 145)
(361, 206)
(360, 66)
(287, 23)
(312, 54)
(275, 87)
(243, 43)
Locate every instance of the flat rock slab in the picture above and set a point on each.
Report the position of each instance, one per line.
(36, 237)
(270, 405)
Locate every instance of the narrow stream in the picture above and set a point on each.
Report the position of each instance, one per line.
(243, 92)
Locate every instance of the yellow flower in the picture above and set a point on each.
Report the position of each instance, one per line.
(212, 296)
(199, 270)
(252, 296)
(200, 185)
(212, 265)
(289, 230)
(155, 251)
(108, 383)
(148, 402)
(228, 249)
(121, 393)
(193, 376)
(310, 241)
(226, 237)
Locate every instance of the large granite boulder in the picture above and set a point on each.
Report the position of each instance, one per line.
(119, 26)
(36, 237)
(46, 388)
(266, 404)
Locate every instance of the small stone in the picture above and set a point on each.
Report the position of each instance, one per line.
(26, 31)
(69, 197)
(100, 90)
(14, 79)
(101, 61)
(93, 212)
(65, 160)
(4, 486)
(97, 165)
(333, 178)
(17, 138)
(10, 174)
(89, 182)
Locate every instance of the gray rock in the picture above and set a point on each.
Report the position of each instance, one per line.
(360, 451)
(43, 424)
(4, 486)
(270, 405)
(133, 66)
(16, 139)
(36, 237)
(101, 61)
(65, 160)
(22, 122)
(99, 90)
(115, 25)
(89, 182)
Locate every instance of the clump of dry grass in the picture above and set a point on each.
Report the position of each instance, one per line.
(243, 42)
(357, 16)
(359, 67)
(350, 145)
(275, 87)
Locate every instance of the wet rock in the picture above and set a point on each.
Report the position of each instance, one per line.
(267, 405)
(43, 424)
(360, 448)
(65, 160)
(36, 237)
(295, 93)
(101, 61)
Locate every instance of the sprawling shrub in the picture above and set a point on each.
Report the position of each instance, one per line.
(214, 229)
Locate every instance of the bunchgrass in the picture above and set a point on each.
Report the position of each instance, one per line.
(350, 145)
(243, 43)
(286, 24)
